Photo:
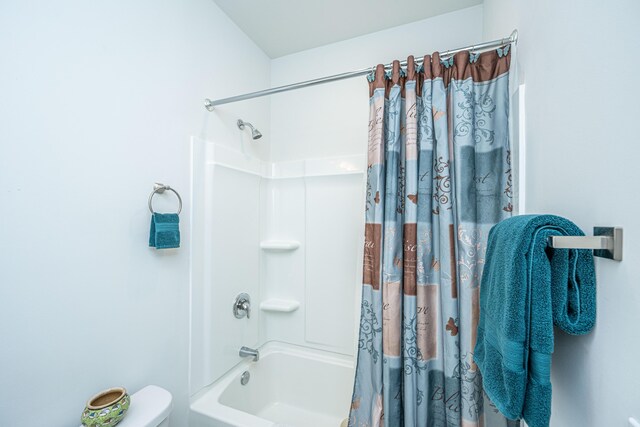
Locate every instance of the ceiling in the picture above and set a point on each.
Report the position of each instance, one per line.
(281, 27)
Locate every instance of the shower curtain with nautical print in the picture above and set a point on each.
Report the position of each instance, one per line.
(438, 178)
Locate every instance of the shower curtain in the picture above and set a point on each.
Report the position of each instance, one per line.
(438, 179)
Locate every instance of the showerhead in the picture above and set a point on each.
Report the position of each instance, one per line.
(255, 133)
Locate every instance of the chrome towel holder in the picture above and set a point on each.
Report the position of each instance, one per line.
(606, 242)
(161, 188)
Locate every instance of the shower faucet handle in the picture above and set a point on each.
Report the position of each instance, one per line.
(242, 306)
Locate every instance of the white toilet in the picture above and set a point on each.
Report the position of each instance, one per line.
(150, 407)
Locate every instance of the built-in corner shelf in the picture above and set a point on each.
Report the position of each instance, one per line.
(279, 305)
(279, 245)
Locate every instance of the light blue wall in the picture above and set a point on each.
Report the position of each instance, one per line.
(578, 61)
(99, 100)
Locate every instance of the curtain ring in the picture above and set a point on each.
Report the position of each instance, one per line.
(160, 188)
(371, 76)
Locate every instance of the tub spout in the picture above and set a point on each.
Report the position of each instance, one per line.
(249, 352)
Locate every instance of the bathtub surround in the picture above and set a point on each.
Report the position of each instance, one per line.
(526, 290)
(438, 179)
(281, 222)
(291, 215)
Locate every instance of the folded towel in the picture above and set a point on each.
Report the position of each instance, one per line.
(165, 231)
(527, 287)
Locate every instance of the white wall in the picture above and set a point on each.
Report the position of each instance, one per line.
(99, 100)
(331, 119)
(578, 62)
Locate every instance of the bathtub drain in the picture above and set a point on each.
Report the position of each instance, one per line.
(244, 378)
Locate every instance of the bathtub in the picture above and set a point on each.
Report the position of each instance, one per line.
(289, 386)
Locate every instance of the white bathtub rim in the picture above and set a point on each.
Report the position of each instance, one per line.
(271, 347)
(320, 355)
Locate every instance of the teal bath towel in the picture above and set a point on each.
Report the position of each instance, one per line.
(165, 231)
(527, 288)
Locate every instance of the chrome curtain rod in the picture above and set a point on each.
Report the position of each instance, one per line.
(210, 105)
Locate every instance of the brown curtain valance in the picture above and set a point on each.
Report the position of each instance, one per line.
(480, 67)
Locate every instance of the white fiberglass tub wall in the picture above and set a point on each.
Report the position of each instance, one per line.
(317, 206)
(288, 386)
(289, 235)
(225, 261)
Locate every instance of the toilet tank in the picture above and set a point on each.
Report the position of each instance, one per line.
(150, 407)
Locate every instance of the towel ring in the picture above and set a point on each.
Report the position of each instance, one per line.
(160, 188)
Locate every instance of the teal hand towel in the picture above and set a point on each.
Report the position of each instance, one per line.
(165, 231)
(527, 288)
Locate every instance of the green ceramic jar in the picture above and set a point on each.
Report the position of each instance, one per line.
(106, 409)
